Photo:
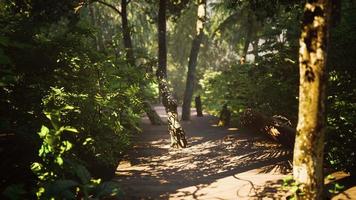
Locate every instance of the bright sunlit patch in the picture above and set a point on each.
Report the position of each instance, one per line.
(232, 129)
(214, 125)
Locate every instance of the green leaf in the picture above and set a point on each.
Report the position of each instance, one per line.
(68, 107)
(66, 146)
(35, 167)
(71, 129)
(44, 131)
(48, 115)
(88, 141)
(59, 160)
(339, 187)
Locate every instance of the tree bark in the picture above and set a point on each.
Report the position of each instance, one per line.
(192, 64)
(174, 128)
(126, 35)
(255, 49)
(198, 106)
(247, 38)
(309, 143)
(150, 112)
(93, 19)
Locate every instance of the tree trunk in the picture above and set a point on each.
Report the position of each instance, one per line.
(247, 38)
(309, 143)
(255, 49)
(192, 64)
(151, 113)
(198, 106)
(126, 35)
(175, 129)
(93, 19)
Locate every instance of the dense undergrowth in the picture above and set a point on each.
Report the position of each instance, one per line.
(70, 101)
(269, 84)
(68, 111)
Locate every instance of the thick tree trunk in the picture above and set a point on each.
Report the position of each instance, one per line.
(309, 143)
(192, 64)
(151, 113)
(198, 106)
(175, 129)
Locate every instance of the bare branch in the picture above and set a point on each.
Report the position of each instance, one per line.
(108, 5)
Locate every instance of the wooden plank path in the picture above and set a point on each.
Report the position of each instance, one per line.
(219, 163)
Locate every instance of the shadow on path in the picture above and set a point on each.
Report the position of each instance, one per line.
(219, 163)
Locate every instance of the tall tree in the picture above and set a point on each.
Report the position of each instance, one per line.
(151, 113)
(193, 58)
(309, 143)
(248, 37)
(129, 54)
(98, 39)
(175, 129)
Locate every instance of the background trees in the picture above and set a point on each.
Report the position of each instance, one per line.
(193, 57)
(73, 60)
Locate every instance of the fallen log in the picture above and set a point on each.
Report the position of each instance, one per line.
(277, 127)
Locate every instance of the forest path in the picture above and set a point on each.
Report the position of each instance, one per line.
(219, 163)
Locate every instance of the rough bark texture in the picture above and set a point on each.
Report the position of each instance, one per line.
(192, 64)
(198, 106)
(151, 113)
(309, 143)
(174, 128)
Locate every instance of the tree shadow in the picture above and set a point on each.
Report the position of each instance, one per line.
(157, 172)
(345, 181)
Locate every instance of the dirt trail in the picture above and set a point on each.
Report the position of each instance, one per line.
(220, 163)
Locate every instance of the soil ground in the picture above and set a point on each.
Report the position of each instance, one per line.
(219, 163)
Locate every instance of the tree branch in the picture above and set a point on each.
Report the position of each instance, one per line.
(108, 5)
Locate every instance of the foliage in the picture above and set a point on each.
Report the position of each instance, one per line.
(51, 64)
(59, 174)
(59, 58)
(293, 187)
(341, 109)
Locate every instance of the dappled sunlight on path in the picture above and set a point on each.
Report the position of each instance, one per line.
(219, 163)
